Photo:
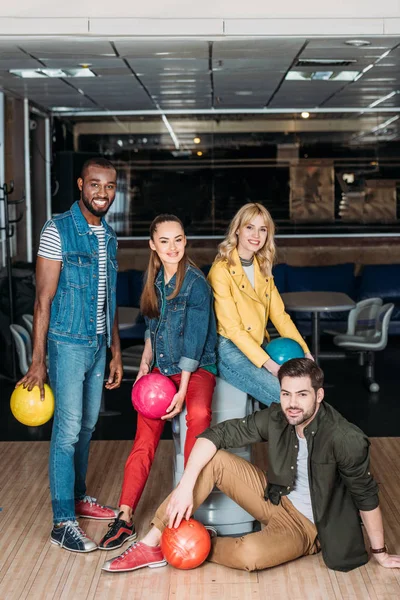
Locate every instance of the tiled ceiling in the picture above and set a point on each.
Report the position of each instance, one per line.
(144, 74)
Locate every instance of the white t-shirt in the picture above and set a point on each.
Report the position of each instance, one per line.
(300, 495)
(50, 248)
(250, 273)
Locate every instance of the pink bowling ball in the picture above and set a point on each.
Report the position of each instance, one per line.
(152, 395)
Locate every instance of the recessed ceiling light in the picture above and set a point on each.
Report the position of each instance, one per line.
(172, 92)
(358, 43)
(322, 76)
(383, 99)
(162, 53)
(199, 153)
(196, 140)
(244, 93)
(65, 108)
(54, 73)
(181, 101)
(305, 114)
(325, 62)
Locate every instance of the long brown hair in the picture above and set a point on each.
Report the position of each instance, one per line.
(148, 300)
(266, 254)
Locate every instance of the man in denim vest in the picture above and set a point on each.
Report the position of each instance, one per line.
(75, 313)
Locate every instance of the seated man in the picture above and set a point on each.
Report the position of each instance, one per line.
(317, 485)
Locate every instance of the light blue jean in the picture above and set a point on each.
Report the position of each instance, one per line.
(76, 377)
(238, 370)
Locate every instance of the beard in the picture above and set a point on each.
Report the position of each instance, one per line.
(303, 416)
(92, 209)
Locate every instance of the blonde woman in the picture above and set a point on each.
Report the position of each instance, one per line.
(245, 298)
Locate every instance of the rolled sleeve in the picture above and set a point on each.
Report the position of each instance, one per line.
(147, 335)
(353, 456)
(237, 433)
(188, 364)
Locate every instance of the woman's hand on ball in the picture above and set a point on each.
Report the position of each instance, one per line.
(144, 369)
(272, 367)
(175, 407)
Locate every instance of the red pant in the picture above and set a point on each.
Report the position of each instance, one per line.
(137, 468)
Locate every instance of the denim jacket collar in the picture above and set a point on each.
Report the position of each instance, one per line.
(160, 282)
(82, 226)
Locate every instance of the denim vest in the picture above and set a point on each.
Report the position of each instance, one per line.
(184, 336)
(74, 307)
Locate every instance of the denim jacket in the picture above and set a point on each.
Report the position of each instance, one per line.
(184, 336)
(74, 307)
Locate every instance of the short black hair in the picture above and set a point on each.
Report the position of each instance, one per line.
(302, 367)
(97, 161)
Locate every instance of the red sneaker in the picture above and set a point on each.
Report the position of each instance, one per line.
(90, 509)
(137, 556)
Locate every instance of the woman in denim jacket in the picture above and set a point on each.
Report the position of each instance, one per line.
(180, 343)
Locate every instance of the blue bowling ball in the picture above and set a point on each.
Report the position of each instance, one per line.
(283, 349)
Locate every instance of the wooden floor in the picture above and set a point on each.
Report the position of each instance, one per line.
(32, 568)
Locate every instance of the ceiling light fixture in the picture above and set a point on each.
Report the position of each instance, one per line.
(52, 73)
(325, 62)
(382, 56)
(385, 124)
(365, 70)
(199, 153)
(196, 140)
(322, 76)
(358, 43)
(383, 99)
(305, 115)
(170, 131)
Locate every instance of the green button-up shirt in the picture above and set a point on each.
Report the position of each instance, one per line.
(338, 469)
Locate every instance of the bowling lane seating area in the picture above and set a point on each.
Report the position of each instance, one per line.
(32, 568)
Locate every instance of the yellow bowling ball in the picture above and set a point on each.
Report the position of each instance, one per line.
(29, 409)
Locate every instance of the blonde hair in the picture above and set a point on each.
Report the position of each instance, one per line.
(266, 254)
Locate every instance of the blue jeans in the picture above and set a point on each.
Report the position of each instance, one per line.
(76, 377)
(237, 369)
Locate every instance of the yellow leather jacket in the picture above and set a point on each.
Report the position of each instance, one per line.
(242, 311)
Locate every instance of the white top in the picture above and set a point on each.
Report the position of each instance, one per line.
(300, 495)
(250, 273)
(50, 248)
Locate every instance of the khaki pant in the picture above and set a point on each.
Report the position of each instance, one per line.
(286, 535)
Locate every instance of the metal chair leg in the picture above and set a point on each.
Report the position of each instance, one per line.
(370, 373)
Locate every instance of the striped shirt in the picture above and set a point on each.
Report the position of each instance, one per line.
(50, 248)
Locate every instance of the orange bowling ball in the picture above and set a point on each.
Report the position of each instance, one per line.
(29, 409)
(187, 546)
